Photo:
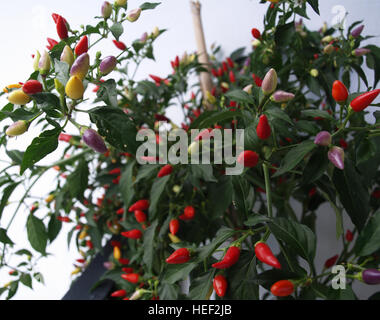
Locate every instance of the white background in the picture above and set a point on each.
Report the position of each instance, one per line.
(26, 24)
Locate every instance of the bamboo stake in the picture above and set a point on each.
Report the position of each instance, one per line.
(204, 77)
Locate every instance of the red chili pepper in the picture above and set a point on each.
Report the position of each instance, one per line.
(64, 219)
(188, 213)
(256, 33)
(174, 226)
(82, 46)
(229, 259)
(376, 194)
(139, 205)
(263, 129)
(127, 270)
(220, 285)
(115, 243)
(131, 277)
(257, 79)
(165, 170)
(248, 158)
(312, 192)
(140, 216)
(220, 72)
(331, 261)
(161, 117)
(56, 16)
(339, 92)
(124, 261)
(132, 234)
(181, 255)
(156, 79)
(62, 28)
(119, 294)
(81, 260)
(265, 255)
(232, 77)
(115, 171)
(282, 288)
(52, 43)
(32, 87)
(120, 211)
(120, 45)
(343, 143)
(349, 235)
(364, 100)
(214, 73)
(89, 244)
(224, 66)
(230, 63)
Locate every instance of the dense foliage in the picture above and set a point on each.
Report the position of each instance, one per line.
(305, 140)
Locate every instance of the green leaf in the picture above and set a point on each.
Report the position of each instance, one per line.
(12, 289)
(277, 113)
(284, 34)
(37, 234)
(46, 100)
(220, 204)
(117, 30)
(149, 5)
(203, 172)
(365, 150)
(295, 156)
(176, 272)
(54, 227)
(40, 147)
(317, 113)
(314, 4)
(218, 117)
(240, 96)
(369, 238)
(7, 192)
(78, 180)
(62, 69)
(15, 155)
(168, 291)
(26, 280)
(107, 92)
(156, 192)
(147, 171)
(200, 287)
(4, 237)
(243, 195)
(255, 219)
(316, 166)
(149, 245)
(116, 127)
(352, 194)
(296, 235)
(126, 184)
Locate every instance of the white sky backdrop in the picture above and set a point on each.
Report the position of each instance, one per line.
(25, 25)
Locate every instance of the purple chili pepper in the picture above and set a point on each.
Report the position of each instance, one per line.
(107, 65)
(94, 140)
(336, 156)
(371, 276)
(323, 138)
(357, 31)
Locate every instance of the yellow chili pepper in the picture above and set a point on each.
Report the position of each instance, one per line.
(74, 88)
(12, 86)
(116, 253)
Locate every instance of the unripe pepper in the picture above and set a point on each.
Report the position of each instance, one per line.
(269, 83)
(36, 61)
(74, 88)
(62, 28)
(282, 288)
(263, 129)
(179, 256)
(357, 31)
(131, 277)
(18, 97)
(140, 216)
(248, 158)
(107, 65)
(80, 66)
(134, 14)
(220, 285)
(229, 259)
(121, 3)
(94, 140)
(364, 100)
(106, 10)
(119, 294)
(174, 226)
(174, 238)
(67, 56)
(371, 276)
(82, 46)
(281, 96)
(32, 87)
(336, 157)
(265, 255)
(116, 253)
(360, 52)
(139, 205)
(339, 92)
(165, 170)
(17, 128)
(44, 63)
(132, 234)
(323, 138)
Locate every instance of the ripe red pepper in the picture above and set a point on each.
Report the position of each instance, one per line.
(120, 211)
(248, 158)
(120, 45)
(32, 87)
(230, 62)
(62, 28)
(220, 72)
(349, 235)
(331, 261)
(140, 216)
(256, 33)
(214, 72)
(127, 270)
(188, 213)
(265, 255)
(89, 244)
(257, 79)
(115, 243)
(174, 226)
(132, 234)
(161, 117)
(232, 77)
(115, 171)
(56, 16)
(263, 129)
(156, 79)
(224, 66)
(282, 288)
(339, 92)
(131, 277)
(124, 261)
(119, 294)
(82, 46)
(139, 205)
(364, 100)
(229, 259)
(52, 43)
(179, 256)
(64, 219)
(220, 285)
(165, 170)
